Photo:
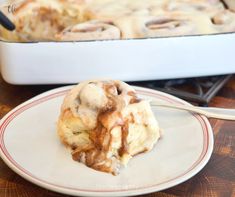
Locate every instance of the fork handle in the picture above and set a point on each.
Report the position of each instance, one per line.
(210, 112)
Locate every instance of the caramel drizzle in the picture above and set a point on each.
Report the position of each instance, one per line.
(101, 137)
(124, 147)
(134, 98)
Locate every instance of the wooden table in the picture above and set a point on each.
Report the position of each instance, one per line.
(216, 179)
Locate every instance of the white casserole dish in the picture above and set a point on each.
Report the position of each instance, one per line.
(128, 60)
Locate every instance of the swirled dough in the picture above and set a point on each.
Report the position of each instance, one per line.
(91, 30)
(105, 124)
(42, 20)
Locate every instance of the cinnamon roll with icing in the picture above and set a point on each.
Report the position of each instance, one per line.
(105, 124)
(55, 20)
(91, 30)
(38, 20)
(164, 25)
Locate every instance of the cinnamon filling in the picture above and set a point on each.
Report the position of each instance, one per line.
(124, 147)
(163, 24)
(101, 137)
(134, 98)
(89, 29)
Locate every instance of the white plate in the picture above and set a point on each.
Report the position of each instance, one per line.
(29, 145)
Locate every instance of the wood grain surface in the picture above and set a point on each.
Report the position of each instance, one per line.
(216, 179)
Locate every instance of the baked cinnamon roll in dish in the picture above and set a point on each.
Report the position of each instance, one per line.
(91, 30)
(105, 124)
(41, 20)
(164, 25)
(75, 20)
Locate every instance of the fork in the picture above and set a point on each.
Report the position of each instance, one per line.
(209, 112)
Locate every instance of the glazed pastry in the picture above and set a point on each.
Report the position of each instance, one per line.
(38, 20)
(105, 124)
(56, 20)
(164, 25)
(91, 30)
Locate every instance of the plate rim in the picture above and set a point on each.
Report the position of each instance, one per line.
(50, 94)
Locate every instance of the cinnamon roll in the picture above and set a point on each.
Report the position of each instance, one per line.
(41, 20)
(91, 30)
(38, 20)
(105, 124)
(164, 25)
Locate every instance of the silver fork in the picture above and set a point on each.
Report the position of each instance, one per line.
(210, 112)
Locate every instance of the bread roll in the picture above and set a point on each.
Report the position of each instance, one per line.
(105, 124)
